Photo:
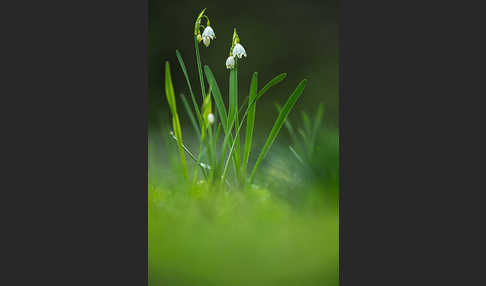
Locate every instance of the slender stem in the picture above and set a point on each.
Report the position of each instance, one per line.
(199, 67)
(200, 164)
(234, 141)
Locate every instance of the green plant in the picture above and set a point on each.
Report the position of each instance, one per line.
(304, 148)
(218, 151)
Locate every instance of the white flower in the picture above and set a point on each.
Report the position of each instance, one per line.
(210, 118)
(208, 32)
(206, 41)
(239, 51)
(208, 35)
(230, 62)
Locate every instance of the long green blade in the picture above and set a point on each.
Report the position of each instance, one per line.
(278, 125)
(218, 99)
(194, 102)
(271, 83)
(199, 67)
(289, 127)
(317, 125)
(233, 116)
(170, 94)
(250, 121)
(191, 114)
(266, 87)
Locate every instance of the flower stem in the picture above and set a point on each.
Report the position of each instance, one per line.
(199, 67)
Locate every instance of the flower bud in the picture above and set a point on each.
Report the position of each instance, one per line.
(210, 118)
(230, 62)
(206, 41)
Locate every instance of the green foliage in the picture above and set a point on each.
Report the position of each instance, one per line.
(169, 92)
(250, 122)
(283, 231)
(216, 153)
(278, 125)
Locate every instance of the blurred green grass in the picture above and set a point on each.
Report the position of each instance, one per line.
(206, 237)
(285, 231)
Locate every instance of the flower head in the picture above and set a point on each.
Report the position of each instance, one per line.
(209, 32)
(230, 62)
(210, 118)
(239, 51)
(208, 35)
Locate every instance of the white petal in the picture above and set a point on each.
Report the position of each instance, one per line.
(230, 62)
(239, 51)
(209, 32)
(206, 41)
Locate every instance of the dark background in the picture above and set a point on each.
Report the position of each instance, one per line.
(296, 37)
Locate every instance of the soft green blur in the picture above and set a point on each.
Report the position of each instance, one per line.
(282, 231)
(205, 237)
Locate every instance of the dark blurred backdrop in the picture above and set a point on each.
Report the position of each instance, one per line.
(296, 37)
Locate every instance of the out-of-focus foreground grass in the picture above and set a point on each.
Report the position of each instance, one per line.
(283, 231)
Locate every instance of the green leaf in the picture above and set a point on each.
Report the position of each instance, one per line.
(233, 116)
(289, 127)
(307, 124)
(278, 125)
(218, 99)
(170, 94)
(194, 102)
(271, 83)
(266, 87)
(317, 124)
(199, 67)
(250, 121)
(275, 80)
(190, 113)
(206, 109)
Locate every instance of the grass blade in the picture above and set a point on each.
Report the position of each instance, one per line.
(289, 127)
(223, 115)
(266, 87)
(191, 114)
(278, 125)
(194, 102)
(250, 121)
(233, 116)
(218, 99)
(170, 94)
(306, 122)
(317, 124)
(199, 67)
(271, 83)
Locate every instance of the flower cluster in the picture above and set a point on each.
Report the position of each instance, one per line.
(208, 33)
(236, 51)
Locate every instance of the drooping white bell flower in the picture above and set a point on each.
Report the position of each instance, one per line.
(230, 62)
(209, 32)
(208, 35)
(239, 51)
(210, 118)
